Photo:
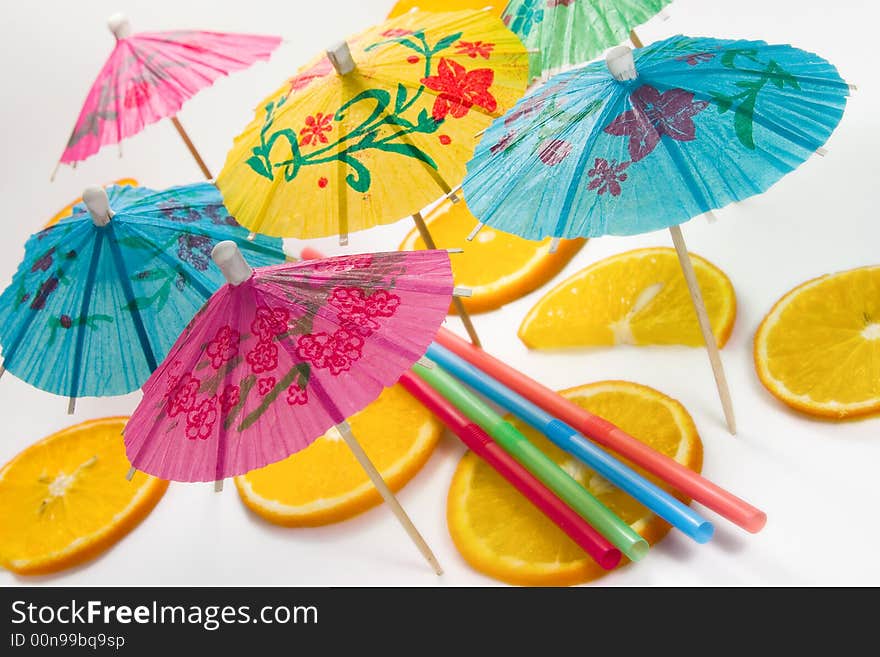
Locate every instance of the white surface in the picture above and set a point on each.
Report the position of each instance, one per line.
(815, 479)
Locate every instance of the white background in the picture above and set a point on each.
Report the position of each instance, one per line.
(815, 479)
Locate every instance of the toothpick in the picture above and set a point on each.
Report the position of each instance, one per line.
(475, 231)
(690, 277)
(376, 477)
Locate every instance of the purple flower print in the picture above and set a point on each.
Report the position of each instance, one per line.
(696, 58)
(503, 143)
(553, 151)
(606, 177)
(655, 115)
(43, 262)
(46, 288)
(195, 249)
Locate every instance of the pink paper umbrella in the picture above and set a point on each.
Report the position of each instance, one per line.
(149, 75)
(280, 355)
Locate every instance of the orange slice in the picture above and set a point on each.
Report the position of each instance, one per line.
(498, 267)
(818, 349)
(65, 211)
(324, 483)
(501, 534)
(639, 297)
(65, 499)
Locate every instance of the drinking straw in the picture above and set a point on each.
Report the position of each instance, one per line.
(607, 434)
(551, 475)
(481, 444)
(656, 499)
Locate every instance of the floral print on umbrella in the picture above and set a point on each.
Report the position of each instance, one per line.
(606, 176)
(655, 115)
(391, 120)
(460, 89)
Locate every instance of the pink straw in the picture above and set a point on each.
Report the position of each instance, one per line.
(605, 433)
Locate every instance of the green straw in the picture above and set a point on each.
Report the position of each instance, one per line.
(620, 534)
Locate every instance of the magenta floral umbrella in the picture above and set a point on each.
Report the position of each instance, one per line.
(148, 77)
(280, 355)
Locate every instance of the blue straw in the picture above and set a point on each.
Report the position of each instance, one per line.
(656, 499)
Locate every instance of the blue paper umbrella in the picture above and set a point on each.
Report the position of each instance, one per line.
(652, 138)
(101, 296)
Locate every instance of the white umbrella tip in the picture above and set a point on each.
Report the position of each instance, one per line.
(621, 64)
(98, 204)
(227, 256)
(119, 25)
(339, 55)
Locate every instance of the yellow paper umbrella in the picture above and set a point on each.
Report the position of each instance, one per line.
(375, 129)
(403, 6)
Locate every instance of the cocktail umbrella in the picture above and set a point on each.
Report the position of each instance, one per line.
(280, 355)
(562, 33)
(101, 295)
(376, 129)
(681, 127)
(64, 212)
(149, 75)
(403, 6)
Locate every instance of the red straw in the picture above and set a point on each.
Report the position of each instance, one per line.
(605, 433)
(479, 442)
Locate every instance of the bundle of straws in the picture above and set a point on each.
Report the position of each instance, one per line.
(446, 381)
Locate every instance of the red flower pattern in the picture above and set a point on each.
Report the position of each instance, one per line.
(270, 322)
(137, 95)
(263, 357)
(314, 129)
(355, 262)
(606, 177)
(474, 49)
(382, 303)
(297, 396)
(460, 89)
(358, 312)
(200, 420)
(396, 32)
(265, 385)
(183, 395)
(655, 115)
(320, 69)
(223, 347)
(230, 397)
(335, 352)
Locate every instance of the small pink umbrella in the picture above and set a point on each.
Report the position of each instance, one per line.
(280, 355)
(149, 75)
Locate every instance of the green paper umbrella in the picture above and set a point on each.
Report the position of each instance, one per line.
(560, 33)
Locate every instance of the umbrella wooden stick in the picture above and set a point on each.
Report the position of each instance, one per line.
(389, 497)
(636, 41)
(457, 302)
(192, 149)
(690, 277)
